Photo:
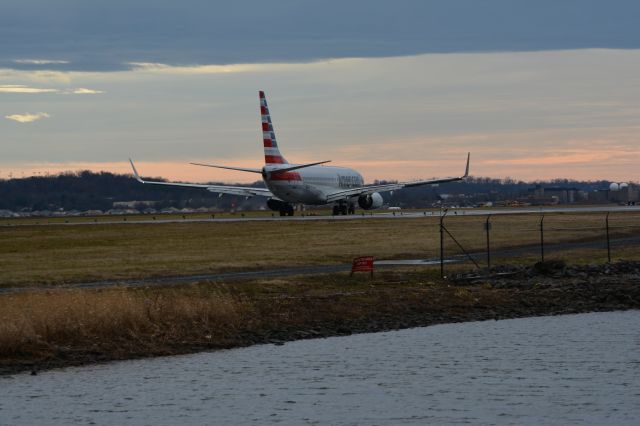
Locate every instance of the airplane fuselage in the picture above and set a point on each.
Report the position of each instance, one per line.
(309, 185)
(289, 185)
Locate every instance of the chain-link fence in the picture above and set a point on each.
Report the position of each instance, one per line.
(486, 241)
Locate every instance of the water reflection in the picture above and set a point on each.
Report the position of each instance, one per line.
(573, 369)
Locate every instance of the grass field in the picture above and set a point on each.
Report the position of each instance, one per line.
(35, 255)
(67, 327)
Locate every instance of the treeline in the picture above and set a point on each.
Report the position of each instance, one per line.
(98, 191)
(483, 189)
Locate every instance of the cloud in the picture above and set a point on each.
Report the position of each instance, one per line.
(27, 117)
(526, 115)
(159, 68)
(19, 88)
(40, 76)
(106, 36)
(84, 91)
(39, 62)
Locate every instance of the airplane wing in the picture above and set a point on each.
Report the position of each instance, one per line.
(370, 189)
(222, 189)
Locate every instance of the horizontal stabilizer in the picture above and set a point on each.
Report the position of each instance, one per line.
(240, 169)
(245, 191)
(299, 166)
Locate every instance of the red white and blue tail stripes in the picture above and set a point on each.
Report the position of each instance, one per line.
(271, 152)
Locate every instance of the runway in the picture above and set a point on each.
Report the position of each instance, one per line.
(395, 214)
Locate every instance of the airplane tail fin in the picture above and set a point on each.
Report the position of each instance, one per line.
(271, 152)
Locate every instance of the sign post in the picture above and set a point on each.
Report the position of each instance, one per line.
(362, 264)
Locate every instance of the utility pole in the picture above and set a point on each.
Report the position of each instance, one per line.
(442, 215)
(606, 221)
(487, 228)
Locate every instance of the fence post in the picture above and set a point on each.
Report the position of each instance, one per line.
(487, 227)
(542, 237)
(442, 215)
(606, 221)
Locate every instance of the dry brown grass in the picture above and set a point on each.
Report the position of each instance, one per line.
(67, 327)
(90, 325)
(115, 320)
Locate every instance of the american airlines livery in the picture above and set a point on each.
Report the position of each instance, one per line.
(288, 184)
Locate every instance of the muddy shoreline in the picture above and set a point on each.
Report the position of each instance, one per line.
(512, 292)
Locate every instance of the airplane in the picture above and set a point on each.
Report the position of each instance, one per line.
(288, 185)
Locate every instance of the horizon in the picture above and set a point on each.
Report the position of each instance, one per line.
(503, 180)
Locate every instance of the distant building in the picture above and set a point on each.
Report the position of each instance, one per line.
(599, 196)
(7, 213)
(623, 193)
(133, 204)
(555, 195)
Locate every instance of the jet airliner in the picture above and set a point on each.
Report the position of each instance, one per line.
(288, 185)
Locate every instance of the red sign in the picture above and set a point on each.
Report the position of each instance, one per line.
(362, 264)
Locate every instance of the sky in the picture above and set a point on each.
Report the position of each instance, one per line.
(398, 90)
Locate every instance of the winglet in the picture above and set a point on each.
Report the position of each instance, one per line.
(466, 170)
(135, 172)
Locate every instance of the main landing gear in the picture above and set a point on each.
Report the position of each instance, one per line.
(344, 209)
(286, 210)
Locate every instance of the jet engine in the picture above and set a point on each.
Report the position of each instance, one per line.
(285, 209)
(276, 205)
(371, 201)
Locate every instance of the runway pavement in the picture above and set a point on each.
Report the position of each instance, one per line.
(395, 214)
